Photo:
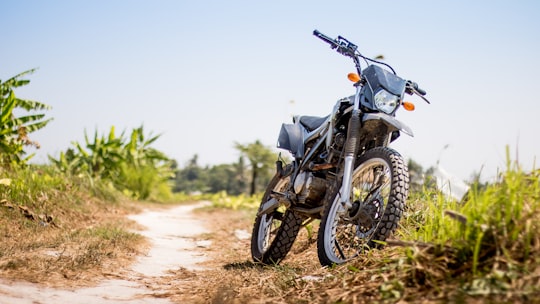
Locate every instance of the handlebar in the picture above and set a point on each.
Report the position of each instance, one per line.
(342, 45)
(346, 48)
(418, 89)
(413, 88)
(326, 39)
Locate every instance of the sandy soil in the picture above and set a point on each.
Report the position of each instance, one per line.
(173, 248)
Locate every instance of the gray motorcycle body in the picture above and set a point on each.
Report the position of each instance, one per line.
(294, 137)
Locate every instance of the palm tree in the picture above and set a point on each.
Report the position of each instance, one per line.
(260, 158)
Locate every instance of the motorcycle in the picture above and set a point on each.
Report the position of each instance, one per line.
(342, 173)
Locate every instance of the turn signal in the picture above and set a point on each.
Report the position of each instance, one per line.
(409, 106)
(353, 77)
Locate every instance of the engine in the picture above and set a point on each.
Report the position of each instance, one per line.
(309, 188)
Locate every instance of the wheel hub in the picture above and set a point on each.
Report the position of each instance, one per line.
(365, 215)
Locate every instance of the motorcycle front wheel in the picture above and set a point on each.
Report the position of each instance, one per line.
(275, 232)
(380, 184)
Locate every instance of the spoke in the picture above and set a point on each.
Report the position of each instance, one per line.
(274, 231)
(339, 249)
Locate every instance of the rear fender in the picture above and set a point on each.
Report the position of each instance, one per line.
(291, 138)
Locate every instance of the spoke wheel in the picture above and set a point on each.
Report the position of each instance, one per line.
(378, 193)
(275, 232)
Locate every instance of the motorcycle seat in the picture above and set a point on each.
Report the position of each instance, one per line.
(312, 122)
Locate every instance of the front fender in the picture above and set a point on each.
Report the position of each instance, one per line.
(392, 123)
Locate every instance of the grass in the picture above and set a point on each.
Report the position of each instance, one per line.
(485, 248)
(60, 230)
(489, 242)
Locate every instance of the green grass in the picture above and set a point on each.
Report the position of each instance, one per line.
(484, 248)
(55, 227)
(486, 245)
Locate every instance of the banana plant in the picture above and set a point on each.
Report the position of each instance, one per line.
(139, 152)
(14, 130)
(145, 167)
(132, 166)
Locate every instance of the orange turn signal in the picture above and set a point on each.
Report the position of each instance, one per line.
(409, 106)
(353, 77)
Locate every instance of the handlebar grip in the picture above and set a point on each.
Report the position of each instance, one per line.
(325, 38)
(414, 87)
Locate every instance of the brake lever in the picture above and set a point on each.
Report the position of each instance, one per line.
(412, 88)
(421, 96)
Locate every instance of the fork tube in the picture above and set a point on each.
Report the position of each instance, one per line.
(351, 148)
(350, 156)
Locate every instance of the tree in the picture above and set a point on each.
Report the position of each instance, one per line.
(223, 178)
(14, 130)
(192, 178)
(261, 160)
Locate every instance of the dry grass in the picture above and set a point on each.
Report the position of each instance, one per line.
(489, 255)
(404, 272)
(66, 238)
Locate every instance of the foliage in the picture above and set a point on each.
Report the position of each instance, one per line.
(14, 130)
(131, 166)
(192, 178)
(490, 241)
(235, 202)
(261, 160)
(227, 177)
(484, 249)
(231, 178)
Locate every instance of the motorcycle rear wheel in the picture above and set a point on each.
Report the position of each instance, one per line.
(379, 189)
(274, 233)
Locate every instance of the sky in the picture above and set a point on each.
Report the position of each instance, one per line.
(208, 74)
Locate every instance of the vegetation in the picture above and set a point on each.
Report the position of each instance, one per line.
(130, 165)
(57, 226)
(482, 249)
(230, 178)
(196, 179)
(490, 241)
(66, 221)
(261, 160)
(54, 230)
(14, 130)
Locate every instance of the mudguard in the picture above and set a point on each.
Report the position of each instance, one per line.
(392, 123)
(291, 138)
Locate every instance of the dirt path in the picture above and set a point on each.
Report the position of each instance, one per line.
(171, 233)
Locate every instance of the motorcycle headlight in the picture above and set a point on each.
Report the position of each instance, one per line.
(386, 101)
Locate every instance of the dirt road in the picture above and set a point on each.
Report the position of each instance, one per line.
(173, 246)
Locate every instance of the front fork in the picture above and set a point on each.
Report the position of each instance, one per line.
(351, 149)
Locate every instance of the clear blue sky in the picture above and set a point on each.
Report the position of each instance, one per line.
(206, 74)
